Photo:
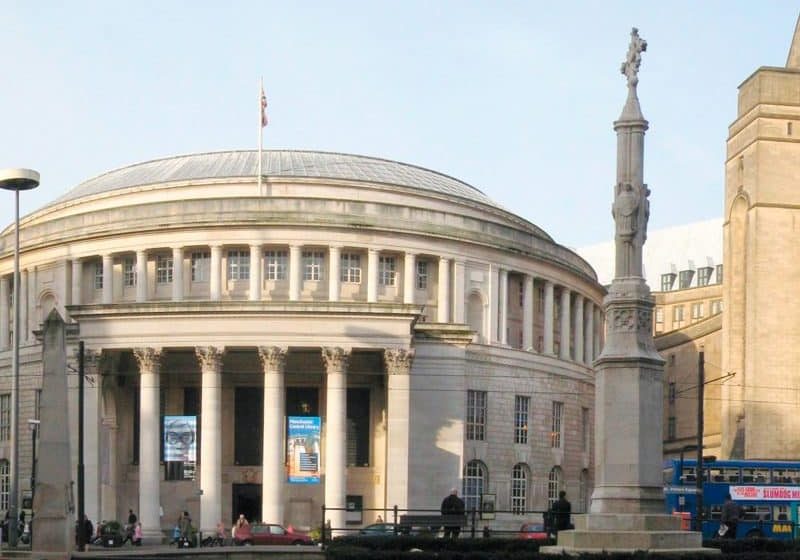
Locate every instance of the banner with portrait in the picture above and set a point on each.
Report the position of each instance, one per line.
(180, 446)
(303, 449)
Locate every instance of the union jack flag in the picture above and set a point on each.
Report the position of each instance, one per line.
(264, 120)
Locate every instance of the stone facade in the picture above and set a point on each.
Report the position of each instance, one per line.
(371, 280)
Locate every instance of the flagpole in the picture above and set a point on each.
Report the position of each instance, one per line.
(260, 132)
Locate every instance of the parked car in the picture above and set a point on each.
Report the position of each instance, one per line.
(379, 530)
(271, 533)
(533, 531)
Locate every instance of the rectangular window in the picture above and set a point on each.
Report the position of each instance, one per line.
(586, 423)
(667, 280)
(677, 314)
(476, 415)
(672, 392)
(351, 268)
(164, 269)
(697, 311)
(521, 408)
(5, 417)
(556, 425)
(659, 315)
(719, 274)
(312, 265)
(422, 275)
(358, 427)
(238, 264)
(387, 271)
(521, 294)
(98, 275)
(275, 265)
(128, 272)
(5, 483)
(671, 433)
(201, 266)
(540, 300)
(704, 275)
(716, 307)
(248, 422)
(685, 279)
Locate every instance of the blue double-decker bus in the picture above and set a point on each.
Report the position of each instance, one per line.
(769, 492)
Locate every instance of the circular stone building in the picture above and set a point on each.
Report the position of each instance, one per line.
(360, 334)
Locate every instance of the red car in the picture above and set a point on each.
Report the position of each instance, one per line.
(270, 533)
(533, 531)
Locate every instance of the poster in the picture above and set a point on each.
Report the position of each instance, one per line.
(180, 439)
(302, 449)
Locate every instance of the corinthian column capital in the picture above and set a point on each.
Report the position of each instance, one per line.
(336, 359)
(398, 360)
(210, 357)
(149, 359)
(273, 358)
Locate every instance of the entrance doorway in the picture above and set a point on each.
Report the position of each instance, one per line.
(247, 500)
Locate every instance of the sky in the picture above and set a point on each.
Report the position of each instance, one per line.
(517, 99)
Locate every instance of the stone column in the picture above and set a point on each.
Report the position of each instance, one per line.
(110, 482)
(547, 336)
(92, 360)
(334, 278)
(409, 278)
(5, 312)
(210, 358)
(564, 353)
(273, 361)
(588, 333)
(295, 272)
(336, 362)
(503, 294)
(372, 275)
(459, 286)
(256, 267)
(398, 369)
(578, 328)
(177, 273)
(527, 313)
(599, 327)
(141, 276)
(149, 360)
(494, 300)
(108, 279)
(77, 282)
(443, 301)
(215, 274)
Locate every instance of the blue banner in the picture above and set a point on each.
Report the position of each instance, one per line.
(302, 449)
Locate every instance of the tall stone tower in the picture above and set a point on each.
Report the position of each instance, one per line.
(627, 511)
(761, 252)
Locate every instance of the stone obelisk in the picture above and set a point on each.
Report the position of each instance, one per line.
(627, 511)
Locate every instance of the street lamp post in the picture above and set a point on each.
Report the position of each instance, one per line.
(34, 426)
(15, 180)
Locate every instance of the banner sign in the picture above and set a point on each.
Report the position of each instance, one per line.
(303, 445)
(765, 493)
(180, 438)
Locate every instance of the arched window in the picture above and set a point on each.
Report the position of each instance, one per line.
(475, 481)
(475, 315)
(554, 483)
(520, 475)
(5, 483)
(584, 491)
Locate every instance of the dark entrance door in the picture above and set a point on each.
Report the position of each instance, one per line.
(247, 500)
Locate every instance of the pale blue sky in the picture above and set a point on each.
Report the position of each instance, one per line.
(515, 98)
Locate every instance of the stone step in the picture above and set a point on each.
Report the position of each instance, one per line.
(629, 540)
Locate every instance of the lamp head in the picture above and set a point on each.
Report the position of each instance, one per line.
(18, 179)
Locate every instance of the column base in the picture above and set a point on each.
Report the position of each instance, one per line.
(153, 537)
(615, 532)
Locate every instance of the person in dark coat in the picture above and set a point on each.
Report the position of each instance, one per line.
(560, 513)
(452, 505)
(731, 513)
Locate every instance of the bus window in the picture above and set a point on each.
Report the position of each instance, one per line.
(715, 512)
(785, 476)
(755, 474)
(687, 474)
(757, 513)
(780, 513)
(731, 474)
(715, 475)
(669, 472)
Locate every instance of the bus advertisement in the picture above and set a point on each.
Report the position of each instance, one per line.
(768, 491)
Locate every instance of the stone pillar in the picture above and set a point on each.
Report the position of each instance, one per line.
(565, 327)
(398, 369)
(409, 278)
(527, 313)
(110, 482)
(372, 275)
(295, 272)
(5, 312)
(547, 336)
(177, 273)
(334, 278)
(588, 333)
(273, 361)
(443, 301)
(459, 286)
(503, 294)
(77, 282)
(210, 359)
(256, 267)
(336, 362)
(149, 360)
(578, 328)
(108, 279)
(92, 360)
(141, 276)
(599, 328)
(215, 274)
